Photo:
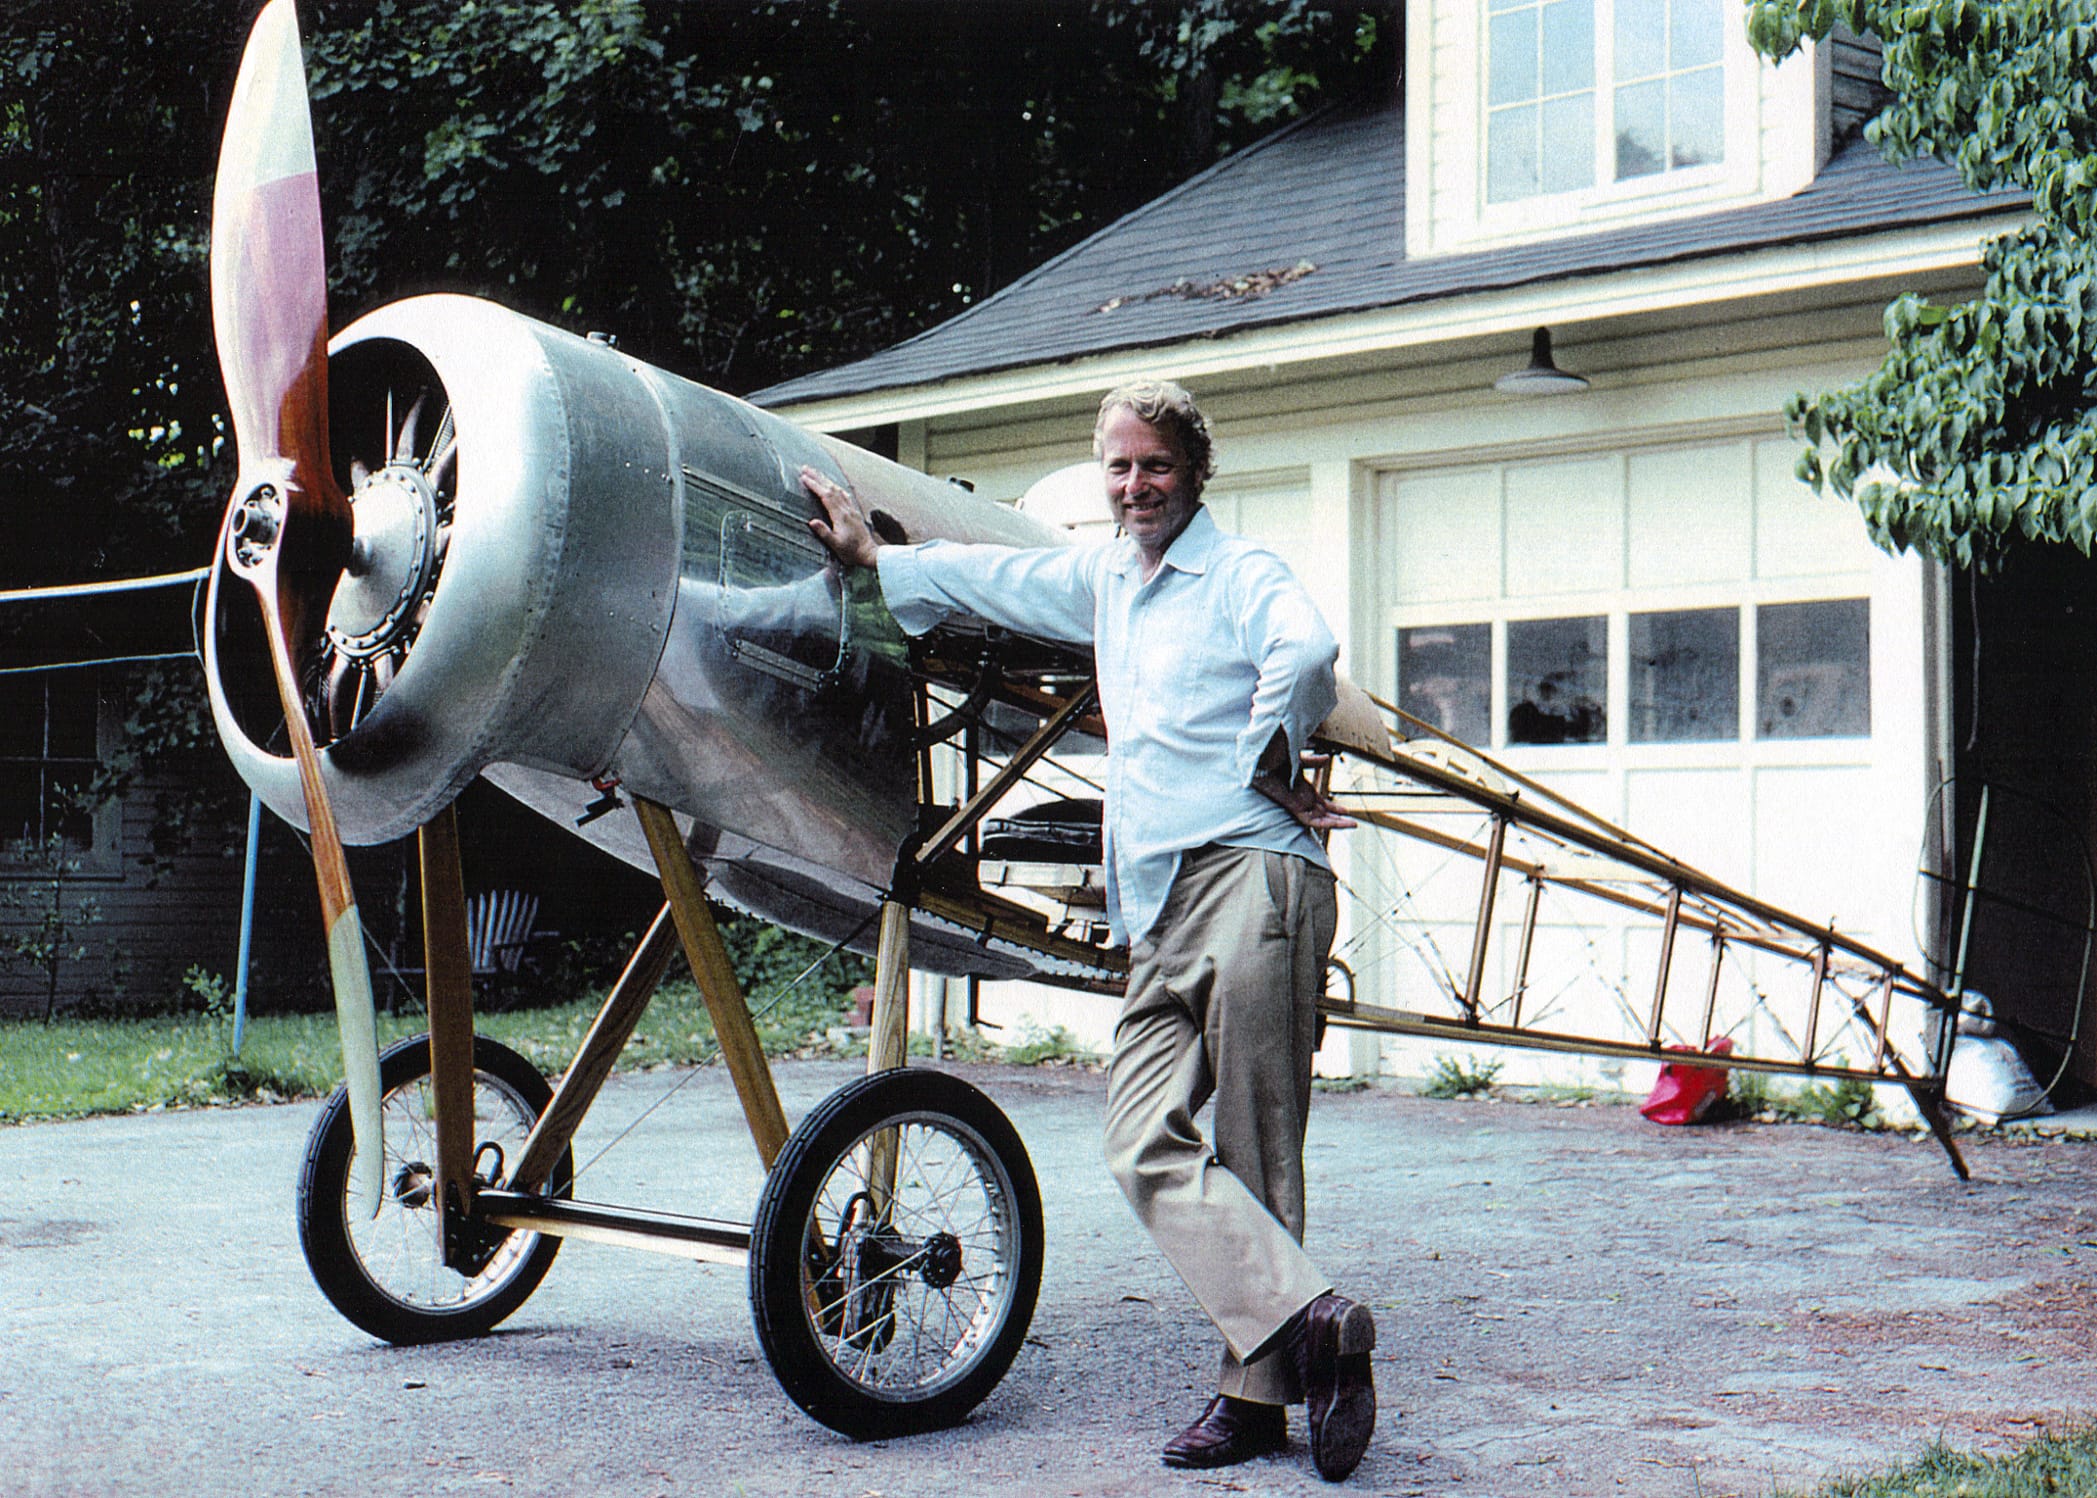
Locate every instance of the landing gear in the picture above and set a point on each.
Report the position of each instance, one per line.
(386, 1272)
(896, 1255)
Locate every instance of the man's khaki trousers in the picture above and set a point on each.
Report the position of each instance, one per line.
(1222, 1000)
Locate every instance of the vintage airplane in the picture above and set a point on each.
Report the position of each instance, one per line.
(465, 543)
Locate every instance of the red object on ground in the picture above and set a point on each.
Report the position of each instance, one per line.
(1685, 1094)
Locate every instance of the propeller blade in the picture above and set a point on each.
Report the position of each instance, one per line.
(269, 301)
(288, 529)
(356, 1012)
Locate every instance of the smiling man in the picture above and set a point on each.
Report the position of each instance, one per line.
(1214, 667)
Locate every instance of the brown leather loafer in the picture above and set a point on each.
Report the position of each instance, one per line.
(1331, 1342)
(1229, 1431)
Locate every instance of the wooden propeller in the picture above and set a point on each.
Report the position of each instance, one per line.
(288, 528)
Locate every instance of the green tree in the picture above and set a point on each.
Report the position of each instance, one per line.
(1979, 431)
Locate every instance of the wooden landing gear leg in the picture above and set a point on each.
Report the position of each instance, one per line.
(449, 975)
(887, 1043)
(733, 1027)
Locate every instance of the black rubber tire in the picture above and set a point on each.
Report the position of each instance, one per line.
(387, 1274)
(920, 1354)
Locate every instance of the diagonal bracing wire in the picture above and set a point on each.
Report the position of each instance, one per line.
(758, 1013)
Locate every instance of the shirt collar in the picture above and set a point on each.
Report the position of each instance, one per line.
(1189, 552)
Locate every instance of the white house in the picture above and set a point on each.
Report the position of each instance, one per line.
(1620, 588)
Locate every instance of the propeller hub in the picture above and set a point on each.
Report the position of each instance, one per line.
(258, 516)
(393, 562)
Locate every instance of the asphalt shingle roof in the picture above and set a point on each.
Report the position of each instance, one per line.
(1310, 223)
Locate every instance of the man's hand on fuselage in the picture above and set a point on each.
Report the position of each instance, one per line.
(846, 533)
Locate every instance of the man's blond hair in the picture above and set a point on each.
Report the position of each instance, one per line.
(1170, 409)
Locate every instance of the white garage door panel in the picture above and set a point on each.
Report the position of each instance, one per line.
(1596, 790)
(1691, 515)
(1446, 536)
(1576, 978)
(1698, 816)
(1799, 533)
(1565, 527)
(1819, 851)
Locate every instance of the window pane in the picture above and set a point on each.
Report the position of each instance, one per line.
(1697, 34)
(1569, 46)
(1510, 147)
(1512, 48)
(1698, 124)
(1685, 676)
(1445, 676)
(1641, 143)
(1557, 676)
(1641, 38)
(72, 707)
(21, 718)
(21, 805)
(1813, 678)
(1569, 143)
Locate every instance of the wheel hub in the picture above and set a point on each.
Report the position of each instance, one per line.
(939, 1263)
(415, 1185)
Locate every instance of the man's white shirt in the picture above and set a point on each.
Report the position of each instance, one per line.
(1199, 666)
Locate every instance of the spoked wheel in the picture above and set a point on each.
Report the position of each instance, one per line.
(896, 1255)
(387, 1273)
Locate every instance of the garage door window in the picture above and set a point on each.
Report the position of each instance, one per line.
(1557, 680)
(1445, 677)
(1813, 675)
(1685, 676)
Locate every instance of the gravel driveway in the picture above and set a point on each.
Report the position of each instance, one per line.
(1571, 1301)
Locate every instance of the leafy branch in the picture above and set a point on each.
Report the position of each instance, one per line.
(1979, 431)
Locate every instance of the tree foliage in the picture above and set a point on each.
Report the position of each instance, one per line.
(747, 192)
(1979, 431)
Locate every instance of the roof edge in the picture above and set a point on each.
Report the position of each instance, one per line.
(1688, 280)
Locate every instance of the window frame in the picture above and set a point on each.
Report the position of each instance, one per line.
(102, 858)
(1747, 741)
(1606, 196)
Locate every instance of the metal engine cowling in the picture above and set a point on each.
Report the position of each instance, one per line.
(539, 631)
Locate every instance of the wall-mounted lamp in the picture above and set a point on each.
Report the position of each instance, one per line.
(1540, 376)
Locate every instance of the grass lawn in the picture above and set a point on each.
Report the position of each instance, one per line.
(72, 1068)
(2048, 1466)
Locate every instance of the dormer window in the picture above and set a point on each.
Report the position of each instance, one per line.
(1526, 120)
(1670, 86)
(1540, 98)
(1550, 129)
